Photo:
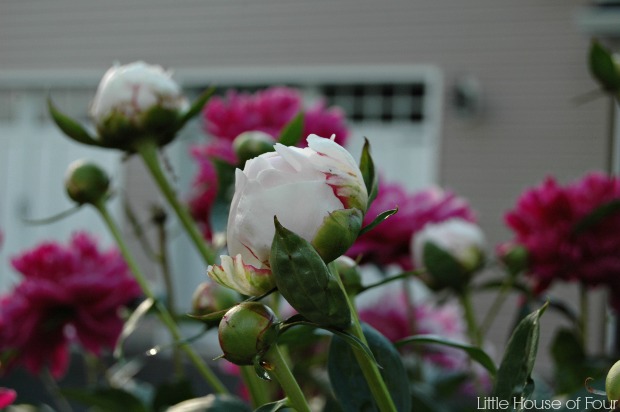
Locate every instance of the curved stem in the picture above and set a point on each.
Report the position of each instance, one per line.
(583, 315)
(470, 318)
(369, 368)
(498, 302)
(163, 313)
(148, 151)
(52, 388)
(276, 366)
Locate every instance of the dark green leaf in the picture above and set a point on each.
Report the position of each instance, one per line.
(379, 219)
(70, 127)
(348, 381)
(303, 279)
(131, 324)
(106, 399)
(168, 394)
(367, 168)
(210, 403)
(515, 370)
(475, 353)
(291, 134)
(390, 279)
(274, 406)
(603, 67)
(597, 216)
(196, 107)
(352, 340)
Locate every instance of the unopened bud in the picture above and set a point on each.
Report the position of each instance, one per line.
(86, 182)
(249, 145)
(247, 331)
(210, 297)
(612, 383)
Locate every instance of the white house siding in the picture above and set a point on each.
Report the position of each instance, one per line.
(528, 56)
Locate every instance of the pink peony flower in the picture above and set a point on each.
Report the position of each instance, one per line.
(69, 294)
(390, 242)
(269, 110)
(544, 221)
(7, 397)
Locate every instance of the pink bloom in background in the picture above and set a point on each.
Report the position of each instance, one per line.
(69, 293)
(389, 243)
(389, 315)
(268, 110)
(7, 397)
(544, 221)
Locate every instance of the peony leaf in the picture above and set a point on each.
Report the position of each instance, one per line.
(131, 324)
(348, 381)
(291, 133)
(378, 220)
(303, 279)
(274, 406)
(514, 374)
(196, 107)
(210, 403)
(70, 127)
(474, 352)
(597, 216)
(106, 399)
(367, 168)
(603, 67)
(171, 393)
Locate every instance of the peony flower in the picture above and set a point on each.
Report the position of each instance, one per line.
(137, 100)
(390, 242)
(317, 192)
(268, 111)
(545, 221)
(69, 294)
(7, 397)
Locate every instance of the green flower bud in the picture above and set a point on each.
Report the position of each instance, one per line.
(210, 297)
(247, 331)
(514, 257)
(349, 274)
(249, 145)
(612, 382)
(86, 182)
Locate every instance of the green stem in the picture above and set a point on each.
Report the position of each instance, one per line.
(163, 313)
(277, 367)
(369, 368)
(470, 318)
(258, 388)
(54, 390)
(148, 151)
(583, 315)
(497, 304)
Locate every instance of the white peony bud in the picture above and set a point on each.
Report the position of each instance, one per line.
(317, 192)
(136, 99)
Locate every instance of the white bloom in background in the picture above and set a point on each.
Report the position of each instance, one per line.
(317, 192)
(135, 88)
(457, 241)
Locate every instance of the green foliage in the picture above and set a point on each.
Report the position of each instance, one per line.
(106, 399)
(603, 67)
(347, 379)
(291, 133)
(304, 280)
(367, 167)
(168, 394)
(210, 403)
(514, 375)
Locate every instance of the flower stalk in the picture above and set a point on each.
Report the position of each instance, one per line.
(369, 368)
(470, 318)
(274, 363)
(147, 149)
(162, 311)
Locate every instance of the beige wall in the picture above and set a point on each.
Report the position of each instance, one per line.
(528, 56)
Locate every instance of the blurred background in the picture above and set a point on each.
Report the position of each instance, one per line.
(484, 97)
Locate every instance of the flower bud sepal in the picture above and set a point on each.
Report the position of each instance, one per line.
(338, 232)
(304, 280)
(445, 271)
